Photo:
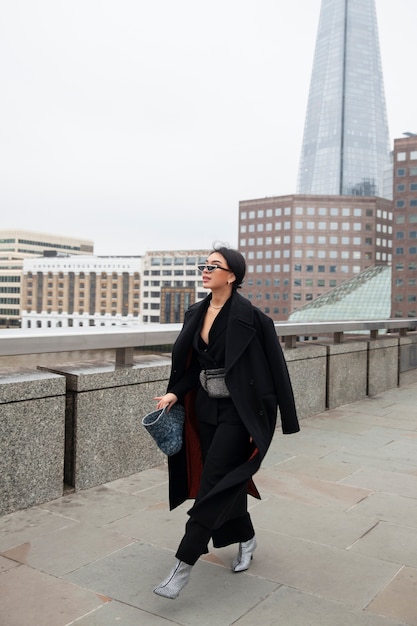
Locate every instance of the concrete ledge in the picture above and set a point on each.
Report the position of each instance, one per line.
(32, 418)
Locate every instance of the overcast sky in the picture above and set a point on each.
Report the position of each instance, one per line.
(140, 124)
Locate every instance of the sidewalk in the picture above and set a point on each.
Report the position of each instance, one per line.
(336, 528)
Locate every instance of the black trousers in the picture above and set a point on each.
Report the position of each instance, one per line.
(225, 445)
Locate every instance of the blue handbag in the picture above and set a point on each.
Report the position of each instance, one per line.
(166, 428)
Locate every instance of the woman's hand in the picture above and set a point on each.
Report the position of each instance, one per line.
(168, 400)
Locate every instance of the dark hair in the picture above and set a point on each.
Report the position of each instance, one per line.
(235, 261)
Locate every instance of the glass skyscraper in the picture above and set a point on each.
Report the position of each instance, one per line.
(346, 147)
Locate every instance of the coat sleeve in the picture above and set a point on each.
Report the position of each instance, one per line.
(281, 377)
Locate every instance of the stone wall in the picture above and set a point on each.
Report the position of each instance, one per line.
(81, 423)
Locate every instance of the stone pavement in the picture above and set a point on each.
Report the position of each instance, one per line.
(336, 528)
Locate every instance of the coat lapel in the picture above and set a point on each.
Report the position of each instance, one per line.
(240, 330)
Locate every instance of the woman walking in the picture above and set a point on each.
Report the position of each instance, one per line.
(229, 372)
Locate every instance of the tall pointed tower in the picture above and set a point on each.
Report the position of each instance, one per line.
(346, 148)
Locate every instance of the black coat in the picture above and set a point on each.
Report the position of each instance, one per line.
(258, 381)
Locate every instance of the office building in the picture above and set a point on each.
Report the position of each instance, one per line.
(346, 147)
(404, 253)
(17, 245)
(171, 283)
(298, 247)
(75, 291)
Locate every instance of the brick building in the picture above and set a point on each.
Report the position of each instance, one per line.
(404, 254)
(297, 247)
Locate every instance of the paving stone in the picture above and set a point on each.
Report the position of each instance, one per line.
(67, 549)
(391, 542)
(295, 608)
(312, 523)
(340, 575)
(389, 508)
(309, 490)
(23, 526)
(398, 599)
(117, 613)
(33, 597)
(6, 564)
(384, 481)
(214, 595)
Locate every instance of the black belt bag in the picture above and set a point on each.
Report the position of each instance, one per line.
(214, 383)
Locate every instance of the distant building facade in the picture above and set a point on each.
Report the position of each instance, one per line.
(404, 254)
(346, 147)
(171, 283)
(17, 245)
(71, 291)
(298, 247)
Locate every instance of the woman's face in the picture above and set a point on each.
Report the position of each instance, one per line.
(218, 278)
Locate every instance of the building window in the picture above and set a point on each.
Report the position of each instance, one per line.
(401, 171)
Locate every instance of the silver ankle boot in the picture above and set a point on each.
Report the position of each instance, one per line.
(177, 579)
(244, 555)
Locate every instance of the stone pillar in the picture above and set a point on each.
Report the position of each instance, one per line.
(32, 418)
(346, 372)
(382, 364)
(307, 368)
(408, 359)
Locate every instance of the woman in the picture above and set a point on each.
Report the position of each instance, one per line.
(226, 437)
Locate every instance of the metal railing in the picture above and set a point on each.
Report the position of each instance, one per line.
(125, 339)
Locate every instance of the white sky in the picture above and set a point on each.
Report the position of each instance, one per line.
(140, 124)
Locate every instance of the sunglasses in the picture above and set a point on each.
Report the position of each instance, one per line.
(210, 268)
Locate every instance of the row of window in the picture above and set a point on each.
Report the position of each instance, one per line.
(402, 171)
(9, 279)
(322, 240)
(400, 204)
(81, 310)
(311, 210)
(268, 269)
(411, 313)
(399, 282)
(399, 267)
(189, 260)
(412, 234)
(269, 227)
(402, 156)
(82, 275)
(9, 300)
(9, 289)
(401, 219)
(402, 188)
(410, 298)
(310, 254)
(401, 251)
